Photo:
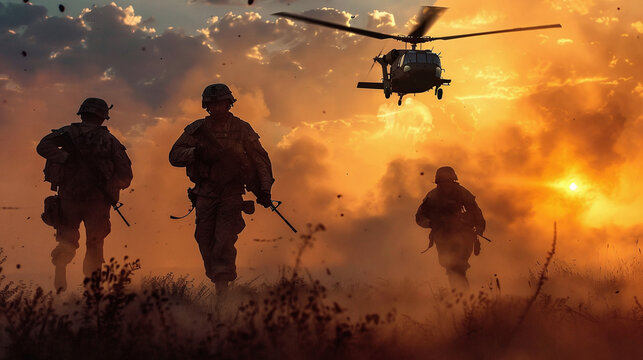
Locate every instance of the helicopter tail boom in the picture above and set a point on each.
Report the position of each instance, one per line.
(370, 85)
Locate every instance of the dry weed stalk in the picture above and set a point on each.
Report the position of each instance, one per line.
(541, 281)
(638, 310)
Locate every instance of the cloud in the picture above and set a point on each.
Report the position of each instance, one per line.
(564, 41)
(524, 117)
(638, 26)
(17, 15)
(105, 39)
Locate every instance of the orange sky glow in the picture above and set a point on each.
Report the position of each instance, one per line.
(527, 115)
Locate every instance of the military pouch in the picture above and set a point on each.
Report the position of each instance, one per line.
(52, 215)
(54, 173)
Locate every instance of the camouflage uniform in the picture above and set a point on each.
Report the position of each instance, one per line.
(78, 186)
(454, 217)
(221, 155)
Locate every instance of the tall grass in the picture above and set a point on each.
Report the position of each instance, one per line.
(172, 317)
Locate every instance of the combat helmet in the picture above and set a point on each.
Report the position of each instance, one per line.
(95, 106)
(445, 174)
(216, 92)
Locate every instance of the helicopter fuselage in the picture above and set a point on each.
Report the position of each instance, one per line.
(415, 71)
(409, 72)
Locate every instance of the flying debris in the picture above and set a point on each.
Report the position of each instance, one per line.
(411, 71)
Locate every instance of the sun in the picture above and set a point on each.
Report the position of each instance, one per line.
(573, 187)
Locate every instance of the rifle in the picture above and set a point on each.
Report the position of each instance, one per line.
(248, 208)
(97, 178)
(251, 184)
(484, 237)
(192, 198)
(274, 209)
(466, 221)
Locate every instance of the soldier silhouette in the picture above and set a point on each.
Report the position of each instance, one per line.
(88, 167)
(223, 157)
(455, 220)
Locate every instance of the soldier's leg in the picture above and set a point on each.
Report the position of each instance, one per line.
(454, 250)
(67, 236)
(206, 212)
(229, 224)
(458, 278)
(97, 227)
(461, 252)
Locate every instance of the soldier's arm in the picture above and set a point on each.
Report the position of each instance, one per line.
(476, 214)
(122, 166)
(259, 157)
(182, 153)
(422, 215)
(50, 147)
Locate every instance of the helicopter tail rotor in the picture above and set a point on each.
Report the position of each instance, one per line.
(374, 61)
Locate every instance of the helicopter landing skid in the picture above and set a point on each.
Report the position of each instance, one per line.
(399, 102)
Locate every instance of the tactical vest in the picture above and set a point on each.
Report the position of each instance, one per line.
(450, 212)
(232, 165)
(86, 144)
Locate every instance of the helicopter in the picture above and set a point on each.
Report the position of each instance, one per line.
(407, 71)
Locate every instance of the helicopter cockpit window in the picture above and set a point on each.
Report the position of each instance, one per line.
(422, 58)
(434, 59)
(410, 58)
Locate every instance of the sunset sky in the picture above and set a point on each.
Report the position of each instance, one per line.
(526, 116)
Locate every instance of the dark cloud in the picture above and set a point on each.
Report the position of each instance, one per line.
(105, 44)
(102, 48)
(15, 15)
(54, 33)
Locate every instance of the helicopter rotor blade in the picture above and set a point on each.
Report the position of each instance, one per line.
(497, 32)
(428, 16)
(354, 30)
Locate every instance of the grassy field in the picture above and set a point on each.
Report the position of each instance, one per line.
(172, 317)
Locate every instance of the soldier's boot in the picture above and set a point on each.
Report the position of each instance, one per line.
(62, 255)
(221, 286)
(93, 261)
(60, 279)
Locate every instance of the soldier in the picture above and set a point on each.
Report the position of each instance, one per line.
(455, 220)
(88, 167)
(222, 155)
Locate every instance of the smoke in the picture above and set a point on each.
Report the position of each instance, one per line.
(527, 114)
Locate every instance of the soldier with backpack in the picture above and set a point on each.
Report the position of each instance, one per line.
(88, 167)
(456, 221)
